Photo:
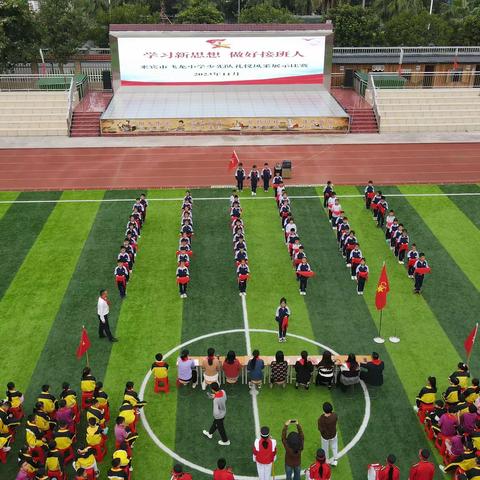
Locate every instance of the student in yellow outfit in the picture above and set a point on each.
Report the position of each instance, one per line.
(122, 454)
(132, 396)
(472, 392)
(63, 436)
(116, 472)
(472, 474)
(5, 439)
(86, 460)
(159, 367)
(452, 394)
(34, 437)
(7, 422)
(463, 374)
(427, 395)
(87, 385)
(42, 419)
(94, 411)
(127, 411)
(15, 397)
(54, 461)
(95, 434)
(102, 400)
(47, 400)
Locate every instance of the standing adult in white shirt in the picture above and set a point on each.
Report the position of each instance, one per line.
(103, 308)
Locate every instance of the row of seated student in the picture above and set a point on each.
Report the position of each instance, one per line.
(349, 372)
(453, 421)
(52, 436)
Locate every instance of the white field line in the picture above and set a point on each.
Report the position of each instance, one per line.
(253, 392)
(203, 199)
(199, 468)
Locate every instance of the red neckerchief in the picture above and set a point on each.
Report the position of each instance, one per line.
(218, 394)
(302, 361)
(376, 362)
(184, 359)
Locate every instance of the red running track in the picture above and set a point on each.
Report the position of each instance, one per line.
(116, 168)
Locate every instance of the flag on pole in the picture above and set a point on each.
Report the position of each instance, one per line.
(469, 342)
(84, 343)
(383, 288)
(233, 163)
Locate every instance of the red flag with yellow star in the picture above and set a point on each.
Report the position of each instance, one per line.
(84, 343)
(383, 288)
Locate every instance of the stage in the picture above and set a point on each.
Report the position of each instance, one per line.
(150, 110)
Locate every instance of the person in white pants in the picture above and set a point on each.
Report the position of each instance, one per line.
(264, 454)
(327, 424)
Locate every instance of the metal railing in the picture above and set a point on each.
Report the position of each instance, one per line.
(30, 82)
(405, 51)
(70, 101)
(452, 79)
(373, 92)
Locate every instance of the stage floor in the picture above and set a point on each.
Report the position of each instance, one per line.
(228, 101)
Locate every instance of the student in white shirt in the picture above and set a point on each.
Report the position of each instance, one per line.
(103, 308)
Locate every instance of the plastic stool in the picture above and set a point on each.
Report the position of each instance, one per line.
(161, 385)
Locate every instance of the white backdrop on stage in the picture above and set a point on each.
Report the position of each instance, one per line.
(247, 60)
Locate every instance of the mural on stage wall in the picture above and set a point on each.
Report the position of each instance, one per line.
(228, 60)
(139, 126)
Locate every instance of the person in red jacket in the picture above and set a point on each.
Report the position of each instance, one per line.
(179, 474)
(222, 472)
(390, 471)
(320, 470)
(264, 454)
(423, 470)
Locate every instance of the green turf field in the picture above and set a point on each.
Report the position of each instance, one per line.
(57, 254)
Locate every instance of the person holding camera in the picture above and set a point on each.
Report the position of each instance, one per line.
(293, 443)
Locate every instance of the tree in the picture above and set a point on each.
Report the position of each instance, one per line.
(64, 28)
(19, 39)
(469, 32)
(124, 13)
(413, 30)
(266, 13)
(389, 8)
(200, 11)
(354, 25)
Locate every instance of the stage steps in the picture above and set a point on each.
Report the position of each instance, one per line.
(362, 120)
(85, 124)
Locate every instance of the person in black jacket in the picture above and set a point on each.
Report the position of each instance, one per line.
(304, 370)
(372, 372)
(266, 176)
(240, 176)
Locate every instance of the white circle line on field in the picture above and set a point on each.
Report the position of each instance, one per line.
(199, 468)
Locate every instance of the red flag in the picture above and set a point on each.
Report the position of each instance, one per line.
(233, 161)
(84, 344)
(383, 288)
(468, 344)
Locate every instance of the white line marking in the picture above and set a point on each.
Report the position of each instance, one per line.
(253, 392)
(202, 199)
(199, 468)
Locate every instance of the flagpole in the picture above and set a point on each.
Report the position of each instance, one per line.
(379, 338)
(88, 361)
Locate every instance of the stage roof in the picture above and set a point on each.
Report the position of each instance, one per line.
(223, 27)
